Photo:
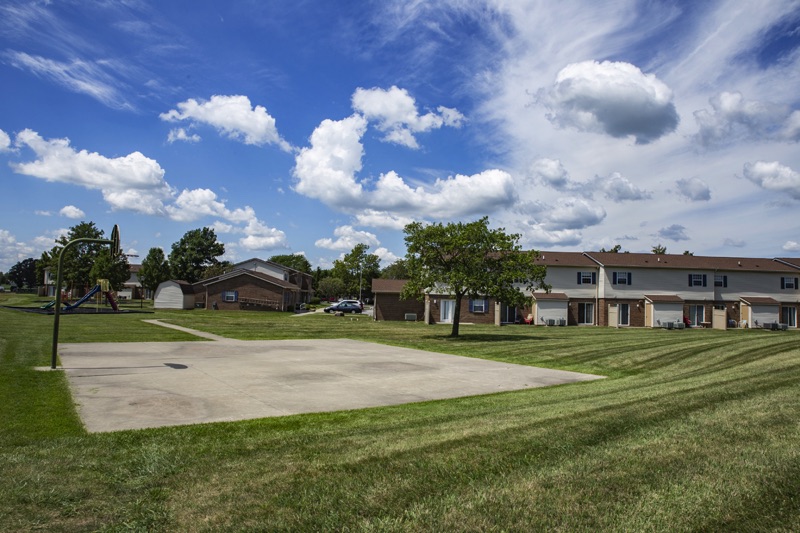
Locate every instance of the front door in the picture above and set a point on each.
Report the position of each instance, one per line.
(508, 314)
(789, 316)
(585, 313)
(448, 309)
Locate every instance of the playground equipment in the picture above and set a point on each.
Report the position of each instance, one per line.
(115, 251)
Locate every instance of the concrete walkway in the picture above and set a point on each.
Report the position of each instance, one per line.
(152, 384)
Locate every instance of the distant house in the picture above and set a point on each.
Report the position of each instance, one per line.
(254, 284)
(174, 294)
(133, 287)
(246, 290)
(389, 306)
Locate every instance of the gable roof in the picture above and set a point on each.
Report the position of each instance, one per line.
(791, 261)
(252, 273)
(689, 262)
(388, 285)
(550, 296)
(664, 298)
(577, 259)
(759, 300)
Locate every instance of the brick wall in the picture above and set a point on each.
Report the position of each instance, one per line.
(248, 287)
(466, 316)
(389, 306)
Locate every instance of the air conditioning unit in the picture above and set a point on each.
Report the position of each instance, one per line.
(411, 317)
(551, 322)
(562, 322)
(680, 325)
(670, 325)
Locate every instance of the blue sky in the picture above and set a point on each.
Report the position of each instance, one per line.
(308, 127)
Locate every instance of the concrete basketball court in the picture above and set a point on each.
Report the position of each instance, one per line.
(119, 386)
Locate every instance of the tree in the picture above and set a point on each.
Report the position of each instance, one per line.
(469, 259)
(330, 287)
(397, 270)
(3, 279)
(615, 250)
(78, 259)
(658, 249)
(154, 269)
(687, 252)
(116, 269)
(23, 274)
(356, 269)
(217, 269)
(296, 261)
(197, 250)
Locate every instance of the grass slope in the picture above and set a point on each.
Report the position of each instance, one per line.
(693, 430)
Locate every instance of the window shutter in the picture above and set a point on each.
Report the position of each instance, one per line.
(594, 278)
(783, 283)
(614, 278)
(630, 278)
(704, 280)
(472, 306)
(579, 278)
(486, 306)
(724, 281)
(690, 280)
(795, 283)
(235, 296)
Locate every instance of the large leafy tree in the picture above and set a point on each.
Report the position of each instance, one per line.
(154, 269)
(197, 250)
(397, 270)
(23, 274)
(78, 259)
(469, 260)
(658, 249)
(357, 269)
(296, 261)
(115, 269)
(330, 287)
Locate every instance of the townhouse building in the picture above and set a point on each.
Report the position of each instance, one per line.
(640, 290)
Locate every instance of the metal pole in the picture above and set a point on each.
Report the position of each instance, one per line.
(54, 354)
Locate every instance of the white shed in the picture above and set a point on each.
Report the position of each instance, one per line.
(174, 294)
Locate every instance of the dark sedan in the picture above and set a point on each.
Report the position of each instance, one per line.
(344, 307)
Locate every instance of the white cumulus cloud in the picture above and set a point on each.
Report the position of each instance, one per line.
(773, 176)
(5, 142)
(614, 98)
(395, 112)
(791, 246)
(70, 211)
(620, 189)
(694, 189)
(233, 116)
(180, 134)
(732, 118)
(132, 182)
(346, 238)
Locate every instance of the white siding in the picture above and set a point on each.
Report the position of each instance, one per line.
(657, 281)
(765, 284)
(565, 279)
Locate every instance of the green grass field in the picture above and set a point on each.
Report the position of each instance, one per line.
(692, 431)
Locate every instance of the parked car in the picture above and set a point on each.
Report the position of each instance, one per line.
(344, 307)
(355, 302)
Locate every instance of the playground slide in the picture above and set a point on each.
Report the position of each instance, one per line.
(112, 300)
(48, 305)
(84, 299)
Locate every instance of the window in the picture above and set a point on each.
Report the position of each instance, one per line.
(230, 296)
(621, 278)
(587, 278)
(720, 281)
(698, 280)
(478, 306)
(789, 283)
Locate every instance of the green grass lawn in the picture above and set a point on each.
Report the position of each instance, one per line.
(692, 431)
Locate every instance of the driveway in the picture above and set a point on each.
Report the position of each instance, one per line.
(138, 385)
